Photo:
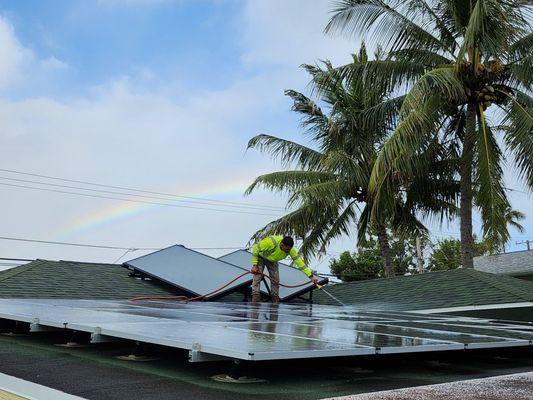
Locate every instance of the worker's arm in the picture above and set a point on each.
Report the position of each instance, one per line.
(298, 260)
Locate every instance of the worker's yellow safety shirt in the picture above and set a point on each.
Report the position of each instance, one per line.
(269, 249)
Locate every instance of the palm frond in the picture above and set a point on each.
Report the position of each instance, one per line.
(493, 25)
(490, 196)
(382, 115)
(289, 152)
(520, 72)
(513, 216)
(521, 49)
(345, 165)
(382, 23)
(364, 223)
(397, 154)
(329, 194)
(341, 225)
(294, 223)
(406, 223)
(442, 82)
(425, 57)
(442, 25)
(455, 15)
(519, 135)
(289, 181)
(387, 75)
(313, 120)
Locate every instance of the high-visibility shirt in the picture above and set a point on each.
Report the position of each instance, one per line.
(269, 249)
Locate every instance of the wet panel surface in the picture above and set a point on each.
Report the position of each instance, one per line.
(250, 332)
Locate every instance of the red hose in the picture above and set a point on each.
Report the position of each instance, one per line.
(187, 299)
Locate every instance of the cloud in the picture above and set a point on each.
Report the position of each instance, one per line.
(21, 70)
(289, 33)
(13, 55)
(132, 3)
(52, 63)
(190, 143)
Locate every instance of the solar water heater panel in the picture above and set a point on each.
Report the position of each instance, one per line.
(191, 271)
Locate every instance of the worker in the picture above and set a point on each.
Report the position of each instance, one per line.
(267, 253)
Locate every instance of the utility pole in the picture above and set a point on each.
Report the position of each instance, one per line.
(527, 243)
(419, 260)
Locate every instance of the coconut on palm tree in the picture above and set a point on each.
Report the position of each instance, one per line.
(465, 69)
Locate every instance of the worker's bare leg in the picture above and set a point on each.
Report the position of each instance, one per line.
(256, 294)
(273, 272)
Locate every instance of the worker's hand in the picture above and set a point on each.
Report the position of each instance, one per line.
(254, 270)
(314, 279)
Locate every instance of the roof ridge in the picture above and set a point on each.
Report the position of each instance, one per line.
(20, 269)
(495, 282)
(82, 262)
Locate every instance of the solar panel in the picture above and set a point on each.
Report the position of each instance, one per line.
(190, 271)
(287, 275)
(268, 332)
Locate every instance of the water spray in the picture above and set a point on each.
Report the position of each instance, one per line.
(321, 287)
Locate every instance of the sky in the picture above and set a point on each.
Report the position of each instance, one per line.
(158, 95)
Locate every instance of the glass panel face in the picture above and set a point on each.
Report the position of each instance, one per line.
(266, 331)
(458, 326)
(191, 271)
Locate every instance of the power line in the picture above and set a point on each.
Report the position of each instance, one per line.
(76, 244)
(130, 194)
(527, 243)
(218, 248)
(123, 254)
(137, 201)
(102, 246)
(139, 190)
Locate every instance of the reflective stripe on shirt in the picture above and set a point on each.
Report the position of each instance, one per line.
(268, 253)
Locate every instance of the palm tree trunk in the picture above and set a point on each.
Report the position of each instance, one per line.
(384, 248)
(467, 240)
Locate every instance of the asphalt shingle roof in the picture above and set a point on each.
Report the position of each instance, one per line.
(74, 280)
(455, 288)
(517, 263)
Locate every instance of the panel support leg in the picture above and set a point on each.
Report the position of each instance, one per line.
(236, 370)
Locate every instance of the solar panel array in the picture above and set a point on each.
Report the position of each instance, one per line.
(287, 275)
(190, 271)
(268, 332)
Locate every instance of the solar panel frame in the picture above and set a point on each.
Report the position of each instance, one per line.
(232, 288)
(265, 286)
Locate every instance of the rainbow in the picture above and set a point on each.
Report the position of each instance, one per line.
(121, 210)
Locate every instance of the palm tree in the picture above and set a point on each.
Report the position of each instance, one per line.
(464, 65)
(328, 188)
(512, 218)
